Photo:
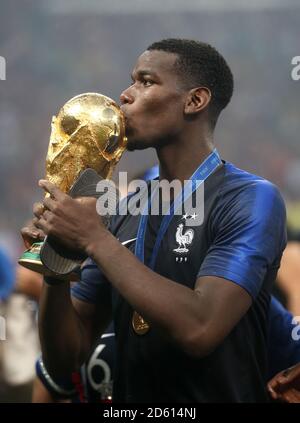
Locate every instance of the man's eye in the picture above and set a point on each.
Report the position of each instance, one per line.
(147, 82)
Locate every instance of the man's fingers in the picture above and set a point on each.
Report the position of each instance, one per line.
(30, 235)
(43, 225)
(291, 396)
(38, 209)
(288, 375)
(284, 378)
(49, 203)
(51, 188)
(272, 392)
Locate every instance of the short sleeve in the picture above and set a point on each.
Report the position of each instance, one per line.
(249, 230)
(92, 283)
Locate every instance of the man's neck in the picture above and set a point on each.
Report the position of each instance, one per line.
(180, 160)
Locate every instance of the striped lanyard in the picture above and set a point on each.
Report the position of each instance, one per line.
(205, 169)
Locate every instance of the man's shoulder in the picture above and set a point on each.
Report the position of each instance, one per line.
(240, 178)
(238, 183)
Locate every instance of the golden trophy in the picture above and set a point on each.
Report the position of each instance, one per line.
(87, 139)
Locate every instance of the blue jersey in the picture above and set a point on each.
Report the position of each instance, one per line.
(241, 239)
(284, 339)
(93, 382)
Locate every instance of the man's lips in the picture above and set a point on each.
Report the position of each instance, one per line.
(128, 120)
(127, 123)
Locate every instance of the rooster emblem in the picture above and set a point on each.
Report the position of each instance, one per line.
(183, 239)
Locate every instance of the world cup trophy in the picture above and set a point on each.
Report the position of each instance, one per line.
(87, 139)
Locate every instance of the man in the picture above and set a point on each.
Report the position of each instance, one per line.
(190, 305)
(20, 348)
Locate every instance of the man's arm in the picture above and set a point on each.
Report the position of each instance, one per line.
(190, 317)
(68, 327)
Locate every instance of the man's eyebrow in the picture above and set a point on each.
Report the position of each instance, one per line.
(143, 72)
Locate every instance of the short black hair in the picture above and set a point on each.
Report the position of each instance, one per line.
(200, 64)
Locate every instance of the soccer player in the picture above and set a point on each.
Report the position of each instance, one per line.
(190, 302)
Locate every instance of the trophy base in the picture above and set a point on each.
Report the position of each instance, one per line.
(31, 259)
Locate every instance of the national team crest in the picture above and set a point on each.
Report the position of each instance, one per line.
(183, 239)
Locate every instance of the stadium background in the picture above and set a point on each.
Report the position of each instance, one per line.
(56, 49)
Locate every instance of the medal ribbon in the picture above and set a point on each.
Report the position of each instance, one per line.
(205, 169)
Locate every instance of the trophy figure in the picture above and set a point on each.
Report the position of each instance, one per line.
(87, 141)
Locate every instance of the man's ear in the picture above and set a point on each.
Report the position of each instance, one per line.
(198, 99)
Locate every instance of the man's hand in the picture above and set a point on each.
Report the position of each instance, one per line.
(31, 233)
(74, 222)
(285, 386)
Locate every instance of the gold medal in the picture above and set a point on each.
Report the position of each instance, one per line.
(140, 326)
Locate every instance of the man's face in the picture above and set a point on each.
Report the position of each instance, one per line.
(154, 104)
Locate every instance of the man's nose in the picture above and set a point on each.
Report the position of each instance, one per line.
(126, 97)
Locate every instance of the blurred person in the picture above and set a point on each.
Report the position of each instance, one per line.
(283, 353)
(20, 348)
(288, 279)
(175, 337)
(284, 385)
(7, 276)
(7, 281)
(283, 342)
(92, 383)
